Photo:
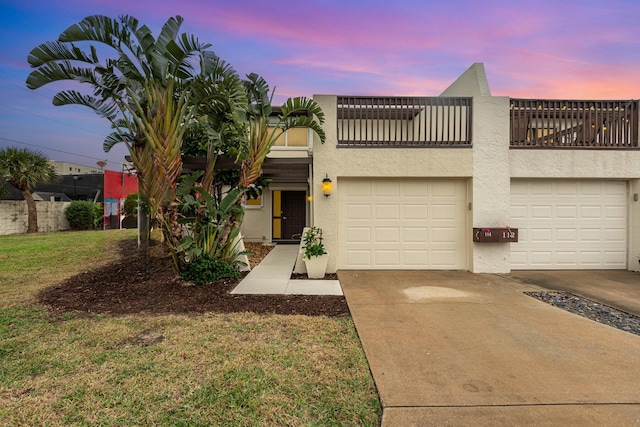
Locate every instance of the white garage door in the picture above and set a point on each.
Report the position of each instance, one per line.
(401, 224)
(569, 224)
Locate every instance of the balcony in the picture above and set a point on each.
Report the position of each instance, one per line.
(537, 123)
(403, 122)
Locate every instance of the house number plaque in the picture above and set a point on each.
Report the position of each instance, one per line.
(495, 235)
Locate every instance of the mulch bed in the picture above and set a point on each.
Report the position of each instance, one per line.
(146, 284)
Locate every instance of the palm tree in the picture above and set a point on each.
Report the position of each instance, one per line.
(24, 169)
(149, 89)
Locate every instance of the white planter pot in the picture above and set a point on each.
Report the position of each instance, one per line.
(300, 268)
(316, 266)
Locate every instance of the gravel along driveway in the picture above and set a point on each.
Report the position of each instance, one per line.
(593, 310)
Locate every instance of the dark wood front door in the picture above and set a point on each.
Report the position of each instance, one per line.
(293, 213)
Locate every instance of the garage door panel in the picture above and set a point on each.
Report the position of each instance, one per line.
(387, 212)
(357, 189)
(613, 258)
(411, 223)
(541, 235)
(569, 224)
(359, 258)
(567, 188)
(590, 235)
(387, 258)
(359, 211)
(359, 234)
(616, 235)
(519, 259)
(415, 258)
(449, 189)
(568, 212)
(523, 236)
(415, 212)
(615, 212)
(415, 234)
(541, 258)
(444, 235)
(518, 189)
(518, 212)
(415, 189)
(566, 258)
(593, 188)
(542, 212)
(387, 189)
(443, 259)
(612, 189)
(567, 235)
(591, 212)
(387, 235)
(445, 212)
(542, 189)
(591, 258)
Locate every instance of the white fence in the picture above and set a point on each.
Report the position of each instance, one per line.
(13, 216)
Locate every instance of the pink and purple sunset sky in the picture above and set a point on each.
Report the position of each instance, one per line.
(570, 49)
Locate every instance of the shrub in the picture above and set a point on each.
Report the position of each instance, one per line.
(130, 211)
(81, 215)
(130, 206)
(98, 219)
(205, 269)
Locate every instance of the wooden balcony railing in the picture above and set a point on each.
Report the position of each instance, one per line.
(378, 122)
(537, 123)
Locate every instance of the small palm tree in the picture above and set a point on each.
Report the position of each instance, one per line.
(24, 169)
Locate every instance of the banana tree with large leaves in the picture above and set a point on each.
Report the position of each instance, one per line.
(262, 130)
(148, 88)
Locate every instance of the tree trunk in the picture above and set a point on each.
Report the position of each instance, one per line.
(144, 231)
(32, 213)
(172, 231)
(231, 222)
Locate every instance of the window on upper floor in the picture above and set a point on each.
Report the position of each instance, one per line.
(294, 138)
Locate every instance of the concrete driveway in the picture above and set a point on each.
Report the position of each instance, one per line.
(456, 348)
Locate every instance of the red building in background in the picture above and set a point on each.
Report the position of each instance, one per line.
(117, 186)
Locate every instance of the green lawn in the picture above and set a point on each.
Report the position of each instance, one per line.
(214, 369)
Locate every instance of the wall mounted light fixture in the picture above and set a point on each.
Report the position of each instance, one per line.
(326, 186)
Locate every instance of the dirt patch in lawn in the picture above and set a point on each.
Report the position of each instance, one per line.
(141, 283)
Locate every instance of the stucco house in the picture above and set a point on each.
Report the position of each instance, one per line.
(412, 177)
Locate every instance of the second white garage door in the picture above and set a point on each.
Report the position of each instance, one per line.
(569, 224)
(401, 224)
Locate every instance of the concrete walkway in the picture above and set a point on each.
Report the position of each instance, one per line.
(272, 276)
(456, 348)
